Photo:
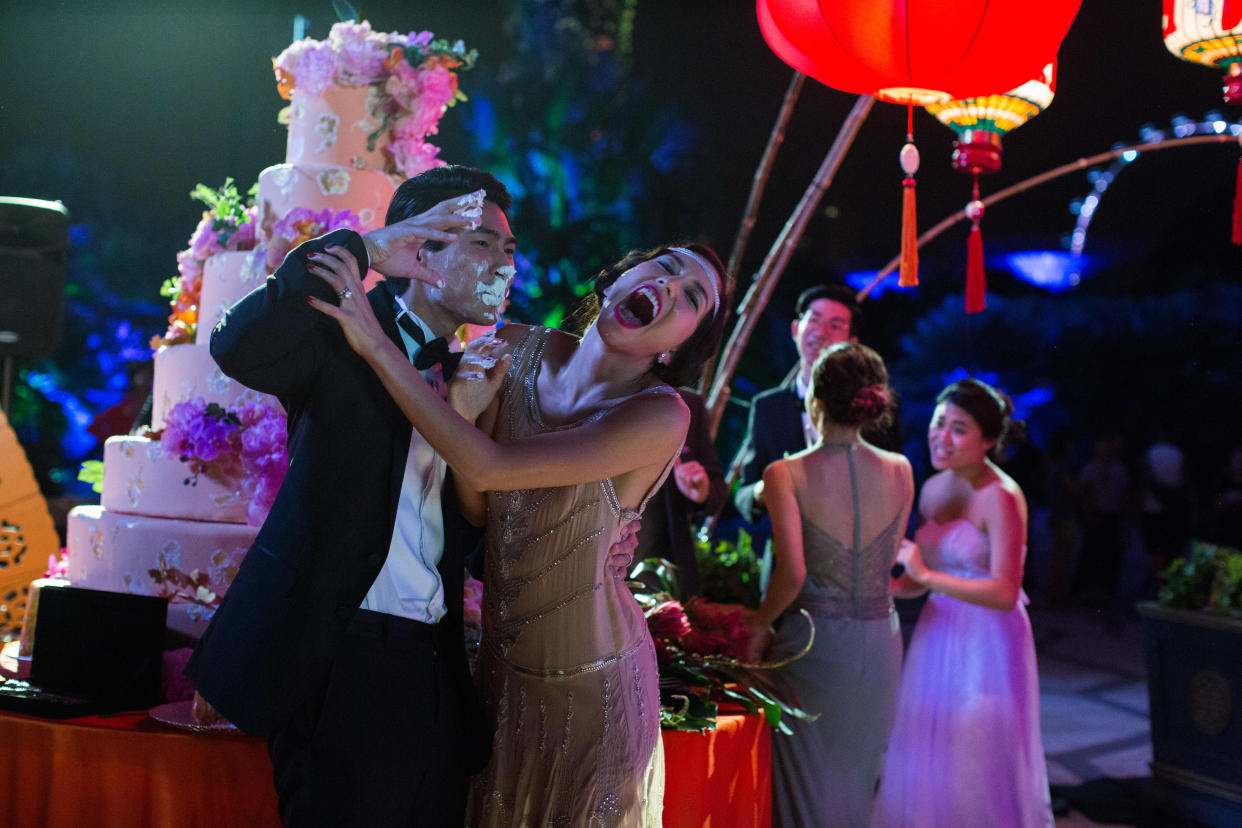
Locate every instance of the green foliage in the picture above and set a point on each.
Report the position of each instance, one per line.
(729, 570)
(171, 288)
(92, 472)
(226, 203)
(1209, 579)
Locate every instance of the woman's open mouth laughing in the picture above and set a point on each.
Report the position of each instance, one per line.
(640, 308)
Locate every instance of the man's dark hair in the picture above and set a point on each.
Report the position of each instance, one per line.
(834, 292)
(427, 189)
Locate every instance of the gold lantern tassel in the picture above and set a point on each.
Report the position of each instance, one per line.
(909, 273)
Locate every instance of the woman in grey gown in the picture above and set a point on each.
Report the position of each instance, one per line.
(839, 510)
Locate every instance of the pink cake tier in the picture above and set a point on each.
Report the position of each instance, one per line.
(140, 479)
(333, 128)
(227, 277)
(184, 372)
(113, 551)
(318, 186)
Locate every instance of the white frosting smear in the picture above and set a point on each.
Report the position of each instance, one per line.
(492, 293)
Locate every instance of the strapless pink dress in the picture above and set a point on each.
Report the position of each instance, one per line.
(965, 747)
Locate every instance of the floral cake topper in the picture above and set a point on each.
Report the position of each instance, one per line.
(415, 75)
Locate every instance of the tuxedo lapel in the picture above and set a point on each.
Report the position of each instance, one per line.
(381, 300)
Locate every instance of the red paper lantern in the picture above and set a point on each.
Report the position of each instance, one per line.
(916, 52)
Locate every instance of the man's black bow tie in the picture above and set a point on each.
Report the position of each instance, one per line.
(436, 352)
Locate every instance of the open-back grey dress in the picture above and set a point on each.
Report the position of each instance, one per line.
(826, 772)
(567, 666)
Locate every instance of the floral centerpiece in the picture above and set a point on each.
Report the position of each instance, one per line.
(247, 444)
(701, 651)
(228, 224)
(414, 76)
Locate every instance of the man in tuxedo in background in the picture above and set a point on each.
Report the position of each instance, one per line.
(824, 316)
(341, 637)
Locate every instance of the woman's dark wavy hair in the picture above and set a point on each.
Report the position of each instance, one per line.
(686, 364)
(852, 382)
(990, 407)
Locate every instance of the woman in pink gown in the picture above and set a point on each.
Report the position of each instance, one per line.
(965, 748)
(582, 431)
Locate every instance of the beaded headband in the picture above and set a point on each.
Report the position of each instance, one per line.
(706, 269)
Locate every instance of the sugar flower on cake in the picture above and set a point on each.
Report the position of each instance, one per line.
(414, 75)
(302, 224)
(334, 181)
(227, 224)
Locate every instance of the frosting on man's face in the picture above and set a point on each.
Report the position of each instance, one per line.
(492, 293)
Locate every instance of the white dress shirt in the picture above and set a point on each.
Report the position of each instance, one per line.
(409, 584)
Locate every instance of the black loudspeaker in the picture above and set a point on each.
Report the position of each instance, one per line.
(34, 252)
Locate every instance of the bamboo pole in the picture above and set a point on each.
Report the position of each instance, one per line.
(758, 184)
(1049, 175)
(769, 273)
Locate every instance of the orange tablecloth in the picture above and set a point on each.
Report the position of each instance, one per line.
(128, 771)
(719, 779)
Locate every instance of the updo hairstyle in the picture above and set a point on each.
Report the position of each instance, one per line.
(990, 407)
(852, 382)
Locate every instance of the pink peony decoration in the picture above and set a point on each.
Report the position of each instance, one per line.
(413, 156)
(472, 601)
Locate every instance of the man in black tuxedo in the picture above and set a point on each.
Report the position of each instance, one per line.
(824, 315)
(341, 637)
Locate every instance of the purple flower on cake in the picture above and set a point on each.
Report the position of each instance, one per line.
(247, 444)
(197, 431)
(419, 41)
(264, 457)
(315, 67)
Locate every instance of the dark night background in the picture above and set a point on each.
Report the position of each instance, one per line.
(119, 109)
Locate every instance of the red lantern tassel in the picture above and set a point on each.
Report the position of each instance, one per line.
(1237, 207)
(909, 274)
(976, 279)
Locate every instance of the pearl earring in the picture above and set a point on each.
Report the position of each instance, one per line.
(663, 358)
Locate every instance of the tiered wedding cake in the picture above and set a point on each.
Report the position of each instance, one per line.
(181, 505)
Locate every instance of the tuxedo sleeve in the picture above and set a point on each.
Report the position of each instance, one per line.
(272, 340)
(754, 460)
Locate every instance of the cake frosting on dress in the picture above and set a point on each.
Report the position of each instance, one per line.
(182, 503)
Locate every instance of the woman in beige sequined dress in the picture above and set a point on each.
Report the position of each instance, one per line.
(580, 434)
